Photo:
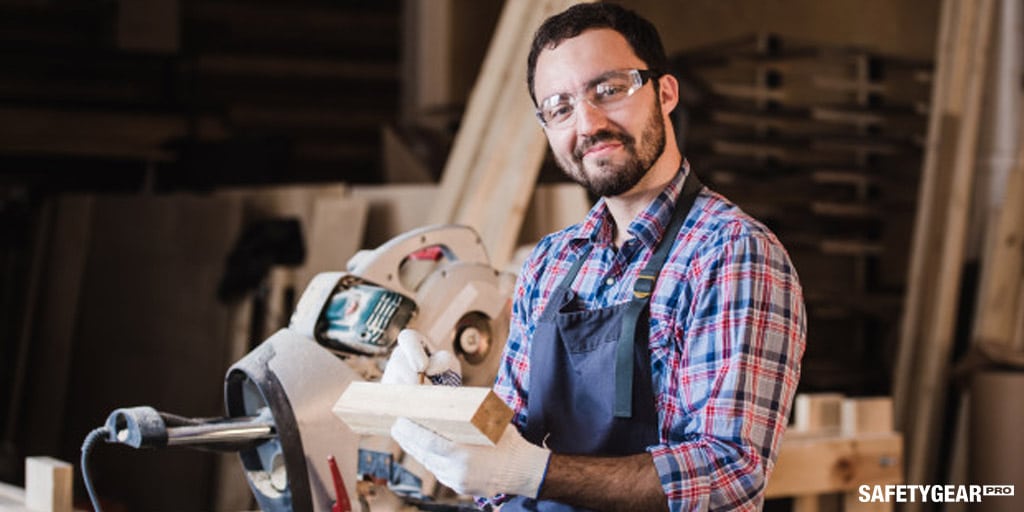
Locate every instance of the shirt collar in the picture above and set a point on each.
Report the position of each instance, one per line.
(648, 226)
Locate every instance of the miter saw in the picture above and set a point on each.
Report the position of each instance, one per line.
(437, 280)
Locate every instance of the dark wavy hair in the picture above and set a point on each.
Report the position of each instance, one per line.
(640, 33)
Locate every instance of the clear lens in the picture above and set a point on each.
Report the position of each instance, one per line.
(604, 92)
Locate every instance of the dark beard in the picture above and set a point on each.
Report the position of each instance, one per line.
(611, 182)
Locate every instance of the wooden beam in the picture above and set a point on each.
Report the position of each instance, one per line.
(473, 415)
(927, 228)
(480, 108)
(818, 465)
(1002, 266)
(939, 321)
(493, 166)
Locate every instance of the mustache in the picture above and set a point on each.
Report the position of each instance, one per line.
(599, 137)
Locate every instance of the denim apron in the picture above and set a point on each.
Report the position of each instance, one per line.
(590, 390)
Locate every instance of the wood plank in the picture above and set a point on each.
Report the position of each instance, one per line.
(927, 225)
(57, 316)
(473, 415)
(151, 26)
(940, 321)
(867, 415)
(48, 484)
(748, 92)
(295, 67)
(493, 167)
(395, 209)
(850, 247)
(817, 413)
(835, 464)
(88, 133)
(334, 234)
(1002, 267)
(859, 416)
(481, 105)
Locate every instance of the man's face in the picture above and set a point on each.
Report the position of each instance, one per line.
(606, 150)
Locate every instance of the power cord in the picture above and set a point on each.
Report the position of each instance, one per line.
(87, 445)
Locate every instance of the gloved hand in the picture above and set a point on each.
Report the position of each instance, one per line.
(414, 358)
(513, 466)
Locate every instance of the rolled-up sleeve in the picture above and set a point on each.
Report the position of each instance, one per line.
(733, 374)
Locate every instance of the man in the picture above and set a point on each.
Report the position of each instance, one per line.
(654, 348)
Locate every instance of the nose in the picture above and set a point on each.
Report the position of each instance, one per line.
(589, 119)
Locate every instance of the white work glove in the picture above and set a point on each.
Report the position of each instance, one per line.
(415, 359)
(513, 466)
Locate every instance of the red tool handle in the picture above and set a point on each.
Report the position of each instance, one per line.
(341, 503)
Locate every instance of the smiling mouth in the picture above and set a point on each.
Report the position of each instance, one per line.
(601, 148)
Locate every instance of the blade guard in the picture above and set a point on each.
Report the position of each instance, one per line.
(383, 264)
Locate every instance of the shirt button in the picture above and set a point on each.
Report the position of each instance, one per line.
(610, 281)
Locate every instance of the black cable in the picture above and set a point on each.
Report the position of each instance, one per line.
(90, 441)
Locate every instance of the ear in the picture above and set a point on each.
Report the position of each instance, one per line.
(668, 92)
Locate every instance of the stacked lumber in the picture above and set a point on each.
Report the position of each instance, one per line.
(192, 90)
(497, 153)
(835, 445)
(953, 192)
(821, 143)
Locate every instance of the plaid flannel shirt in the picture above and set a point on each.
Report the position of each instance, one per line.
(727, 332)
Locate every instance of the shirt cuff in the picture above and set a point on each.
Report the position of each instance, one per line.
(686, 486)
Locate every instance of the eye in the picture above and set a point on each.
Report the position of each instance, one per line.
(611, 90)
(558, 112)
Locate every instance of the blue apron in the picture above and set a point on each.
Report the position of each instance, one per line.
(575, 407)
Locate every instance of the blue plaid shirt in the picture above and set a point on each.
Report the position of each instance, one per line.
(727, 331)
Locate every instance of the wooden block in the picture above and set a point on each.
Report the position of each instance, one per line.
(809, 465)
(48, 484)
(866, 416)
(473, 415)
(817, 413)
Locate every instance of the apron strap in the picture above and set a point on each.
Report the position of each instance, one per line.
(565, 286)
(643, 287)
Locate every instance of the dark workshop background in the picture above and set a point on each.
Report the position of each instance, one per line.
(108, 108)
